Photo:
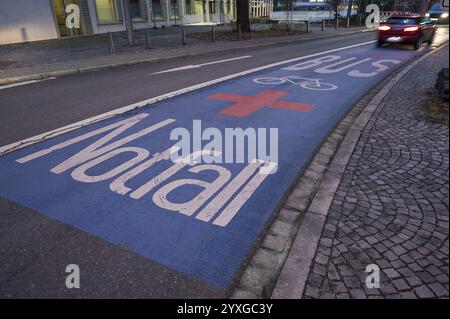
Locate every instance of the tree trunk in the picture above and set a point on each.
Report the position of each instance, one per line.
(243, 14)
(128, 21)
(349, 9)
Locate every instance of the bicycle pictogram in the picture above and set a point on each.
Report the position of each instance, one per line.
(306, 83)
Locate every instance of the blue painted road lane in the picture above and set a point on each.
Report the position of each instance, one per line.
(114, 179)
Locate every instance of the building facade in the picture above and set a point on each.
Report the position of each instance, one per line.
(260, 8)
(25, 20)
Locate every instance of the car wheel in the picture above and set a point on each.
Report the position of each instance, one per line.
(430, 42)
(380, 44)
(418, 43)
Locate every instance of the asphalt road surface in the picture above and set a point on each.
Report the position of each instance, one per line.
(107, 197)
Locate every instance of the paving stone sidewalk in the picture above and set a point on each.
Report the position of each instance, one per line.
(392, 205)
(30, 61)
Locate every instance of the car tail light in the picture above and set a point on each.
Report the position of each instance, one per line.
(411, 29)
(384, 28)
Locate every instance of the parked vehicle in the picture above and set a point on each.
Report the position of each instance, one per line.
(413, 29)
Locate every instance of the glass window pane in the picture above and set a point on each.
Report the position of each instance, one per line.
(135, 9)
(108, 11)
(157, 9)
(199, 5)
(174, 9)
(188, 7)
(105, 10)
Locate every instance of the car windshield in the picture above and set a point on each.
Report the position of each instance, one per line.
(436, 6)
(402, 21)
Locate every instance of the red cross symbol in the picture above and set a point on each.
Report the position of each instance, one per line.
(246, 105)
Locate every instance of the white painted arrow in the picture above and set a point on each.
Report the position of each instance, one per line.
(196, 66)
(7, 86)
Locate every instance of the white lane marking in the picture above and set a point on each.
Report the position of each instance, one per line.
(7, 86)
(44, 136)
(241, 198)
(224, 196)
(196, 66)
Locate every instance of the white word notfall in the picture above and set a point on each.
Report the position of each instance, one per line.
(218, 201)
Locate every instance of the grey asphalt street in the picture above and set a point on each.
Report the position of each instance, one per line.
(40, 107)
(35, 249)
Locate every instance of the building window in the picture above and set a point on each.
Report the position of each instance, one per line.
(212, 7)
(199, 7)
(59, 9)
(174, 9)
(138, 10)
(157, 8)
(108, 11)
(189, 7)
(223, 6)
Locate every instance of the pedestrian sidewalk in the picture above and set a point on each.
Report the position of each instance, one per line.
(376, 192)
(38, 60)
(391, 204)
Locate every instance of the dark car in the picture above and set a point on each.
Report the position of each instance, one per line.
(413, 29)
(438, 13)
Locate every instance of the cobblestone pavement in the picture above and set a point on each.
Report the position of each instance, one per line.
(391, 208)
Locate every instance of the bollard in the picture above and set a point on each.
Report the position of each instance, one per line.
(183, 36)
(239, 33)
(360, 20)
(337, 23)
(323, 25)
(348, 22)
(147, 39)
(213, 34)
(307, 26)
(111, 46)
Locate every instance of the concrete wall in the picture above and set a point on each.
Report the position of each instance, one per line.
(25, 20)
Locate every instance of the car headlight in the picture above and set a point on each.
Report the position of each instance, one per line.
(427, 15)
(444, 15)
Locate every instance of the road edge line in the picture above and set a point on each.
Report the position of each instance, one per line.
(138, 105)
